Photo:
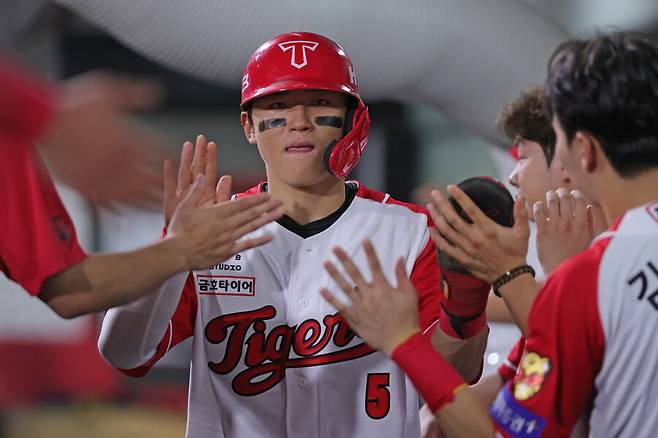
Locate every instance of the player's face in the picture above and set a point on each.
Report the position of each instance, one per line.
(533, 177)
(292, 130)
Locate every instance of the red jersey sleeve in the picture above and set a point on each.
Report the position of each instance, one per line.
(425, 277)
(181, 327)
(507, 370)
(38, 237)
(563, 355)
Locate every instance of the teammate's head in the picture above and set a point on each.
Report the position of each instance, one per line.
(301, 105)
(527, 124)
(603, 95)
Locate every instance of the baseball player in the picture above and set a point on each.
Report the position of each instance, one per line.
(39, 248)
(270, 357)
(590, 334)
(527, 124)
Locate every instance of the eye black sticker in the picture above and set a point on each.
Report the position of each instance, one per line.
(333, 121)
(264, 125)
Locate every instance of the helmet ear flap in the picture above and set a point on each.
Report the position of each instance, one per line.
(341, 157)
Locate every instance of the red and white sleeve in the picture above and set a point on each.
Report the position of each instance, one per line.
(135, 336)
(563, 355)
(507, 370)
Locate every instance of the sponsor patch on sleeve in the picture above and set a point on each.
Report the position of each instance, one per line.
(513, 418)
(226, 285)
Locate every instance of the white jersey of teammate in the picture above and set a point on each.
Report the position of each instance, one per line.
(591, 343)
(271, 358)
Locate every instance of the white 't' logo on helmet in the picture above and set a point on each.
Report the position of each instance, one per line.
(298, 60)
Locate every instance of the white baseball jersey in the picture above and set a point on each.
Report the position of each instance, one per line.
(592, 341)
(271, 358)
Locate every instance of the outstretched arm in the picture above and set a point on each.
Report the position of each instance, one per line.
(166, 317)
(486, 249)
(199, 236)
(102, 281)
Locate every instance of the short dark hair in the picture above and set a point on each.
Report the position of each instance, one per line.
(526, 117)
(608, 87)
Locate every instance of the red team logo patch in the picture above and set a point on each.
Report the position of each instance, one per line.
(226, 285)
(531, 375)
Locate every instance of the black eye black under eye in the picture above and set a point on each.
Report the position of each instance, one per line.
(333, 121)
(266, 124)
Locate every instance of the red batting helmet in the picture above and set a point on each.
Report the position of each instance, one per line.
(308, 61)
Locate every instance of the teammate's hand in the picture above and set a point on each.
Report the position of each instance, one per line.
(195, 160)
(485, 248)
(564, 227)
(210, 233)
(381, 315)
(465, 296)
(93, 146)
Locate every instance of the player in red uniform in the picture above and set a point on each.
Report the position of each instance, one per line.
(527, 124)
(590, 330)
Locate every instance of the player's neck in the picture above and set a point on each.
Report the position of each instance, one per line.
(308, 204)
(624, 194)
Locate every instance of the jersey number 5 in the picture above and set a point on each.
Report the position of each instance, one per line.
(378, 397)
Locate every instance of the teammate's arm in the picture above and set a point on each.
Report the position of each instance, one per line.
(463, 297)
(464, 355)
(463, 352)
(485, 389)
(102, 281)
(199, 236)
(387, 319)
(487, 249)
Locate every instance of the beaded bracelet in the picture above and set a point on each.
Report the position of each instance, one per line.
(511, 275)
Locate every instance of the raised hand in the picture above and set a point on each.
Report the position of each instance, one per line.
(483, 247)
(93, 145)
(380, 314)
(207, 233)
(195, 160)
(564, 227)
